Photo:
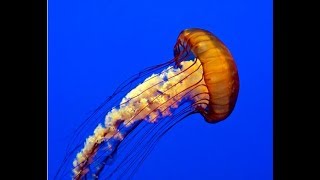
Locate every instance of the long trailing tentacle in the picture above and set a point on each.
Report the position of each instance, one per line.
(138, 154)
(98, 114)
(139, 148)
(102, 155)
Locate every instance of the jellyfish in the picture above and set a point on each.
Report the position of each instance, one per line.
(201, 78)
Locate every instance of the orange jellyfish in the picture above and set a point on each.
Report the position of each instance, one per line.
(201, 78)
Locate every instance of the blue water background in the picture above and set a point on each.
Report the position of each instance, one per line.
(95, 45)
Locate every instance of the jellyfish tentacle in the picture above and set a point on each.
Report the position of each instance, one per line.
(86, 156)
(175, 120)
(173, 86)
(142, 139)
(152, 142)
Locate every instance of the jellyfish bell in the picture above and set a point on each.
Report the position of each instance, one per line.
(201, 78)
(220, 71)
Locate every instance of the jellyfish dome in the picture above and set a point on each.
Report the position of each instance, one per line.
(219, 70)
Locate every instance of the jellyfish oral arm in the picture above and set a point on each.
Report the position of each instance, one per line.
(150, 101)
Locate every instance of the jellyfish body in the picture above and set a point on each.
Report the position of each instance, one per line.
(202, 75)
(220, 71)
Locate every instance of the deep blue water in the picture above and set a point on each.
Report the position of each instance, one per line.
(95, 45)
